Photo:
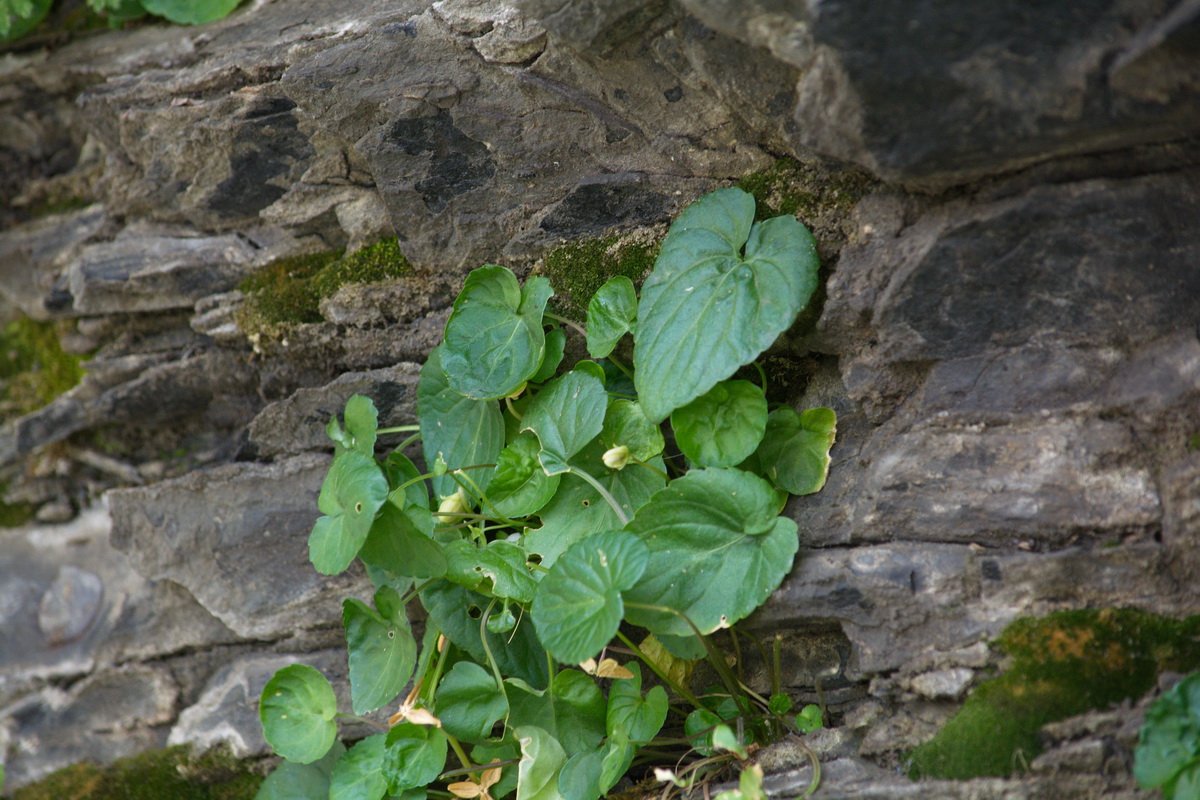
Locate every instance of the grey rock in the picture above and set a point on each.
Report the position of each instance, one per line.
(31, 255)
(298, 423)
(236, 537)
(944, 684)
(69, 607)
(216, 317)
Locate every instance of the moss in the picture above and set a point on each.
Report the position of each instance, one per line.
(170, 774)
(14, 515)
(33, 367)
(1064, 664)
(576, 270)
(790, 187)
(288, 291)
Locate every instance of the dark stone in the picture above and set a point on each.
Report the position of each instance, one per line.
(457, 163)
(599, 205)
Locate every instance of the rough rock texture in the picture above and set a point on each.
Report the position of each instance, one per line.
(1008, 330)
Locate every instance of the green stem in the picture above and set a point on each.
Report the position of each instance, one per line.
(650, 467)
(404, 445)
(616, 363)
(777, 672)
(483, 632)
(603, 493)
(662, 676)
(462, 756)
(437, 674)
(762, 376)
(568, 322)
(513, 409)
(398, 429)
(483, 498)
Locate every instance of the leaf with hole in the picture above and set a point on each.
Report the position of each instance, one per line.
(612, 313)
(494, 340)
(625, 423)
(413, 756)
(520, 486)
(297, 711)
(717, 551)
(497, 569)
(795, 451)
(394, 543)
(469, 702)
(352, 493)
(578, 607)
(723, 289)
(566, 415)
(382, 650)
(464, 432)
(723, 426)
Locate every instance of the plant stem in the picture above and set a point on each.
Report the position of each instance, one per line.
(569, 323)
(603, 493)
(404, 445)
(762, 376)
(662, 676)
(483, 632)
(398, 429)
(650, 467)
(616, 363)
(462, 756)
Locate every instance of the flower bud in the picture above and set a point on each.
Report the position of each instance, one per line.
(616, 457)
(452, 506)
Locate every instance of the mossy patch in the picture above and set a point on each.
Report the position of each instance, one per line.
(577, 269)
(171, 774)
(789, 187)
(1065, 664)
(33, 367)
(288, 291)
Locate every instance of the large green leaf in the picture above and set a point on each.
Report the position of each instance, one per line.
(795, 450)
(395, 544)
(297, 710)
(578, 606)
(580, 776)
(362, 421)
(292, 781)
(723, 426)
(191, 12)
(469, 702)
(566, 415)
(707, 309)
(571, 710)
(717, 551)
(520, 486)
(494, 340)
(358, 775)
(577, 510)
(458, 612)
(352, 493)
(626, 424)
(638, 718)
(541, 759)
(413, 756)
(498, 569)
(382, 650)
(612, 312)
(462, 431)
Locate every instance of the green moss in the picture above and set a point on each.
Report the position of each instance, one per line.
(1064, 664)
(33, 367)
(578, 269)
(171, 774)
(288, 291)
(790, 187)
(58, 205)
(14, 515)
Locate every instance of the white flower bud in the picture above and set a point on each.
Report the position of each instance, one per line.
(452, 506)
(616, 457)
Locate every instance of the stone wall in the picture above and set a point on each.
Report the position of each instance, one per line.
(1006, 197)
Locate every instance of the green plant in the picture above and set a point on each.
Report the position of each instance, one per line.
(33, 367)
(558, 525)
(20, 17)
(1168, 751)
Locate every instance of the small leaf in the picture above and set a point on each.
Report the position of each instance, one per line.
(382, 652)
(723, 738)
(626, 424)
(580, 776)
(556, 344)
(394, 543)
(414, 755)
(353, 491)
(795, 450)
(723, 426)
(358, 775)
(779, 703)
(578, 607)
(293, 781)
(541, 759)
(717, 551)
(699, 727)
(362, 421)
(464, 432)
(498, 569)
(399, 469)
(566, 415)
(191, 12)
(572, 710)
(520, 486)
(677, 667)
(469, 703)
(494, 340)
(637, 718)
(611, 314)
(297, 711)
(809, 719)
(749, 786)
(706, 309)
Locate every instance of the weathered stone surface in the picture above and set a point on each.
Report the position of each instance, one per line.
(298, 423)
(32, 255)
(237, 538)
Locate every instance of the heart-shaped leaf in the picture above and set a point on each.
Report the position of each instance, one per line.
(494, 340)
(297, 710)
(498, 569)
(723, 426)
(580, 776)
(353, 491)
(578, 606)
(717, 551)
(612, 312)
(382, 650)
(394, 543)
(358, 775)
(413, 756)
(638, 718)
(292, 781)
(541, 759)
(520, 486)
(571, 710)
(469, 702)
(795, 450)
(566, 415)
(707, 308)
(462, 431)
(625, 423)
(362, 420)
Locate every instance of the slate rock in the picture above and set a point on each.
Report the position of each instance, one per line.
(30, 256)
(69, 607)
(236, 536)
(298, 423)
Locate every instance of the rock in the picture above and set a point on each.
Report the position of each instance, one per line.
(945, 684)
(298, 423)
(236, 537)
(70, 605)
(34, 253)
(216, 318)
